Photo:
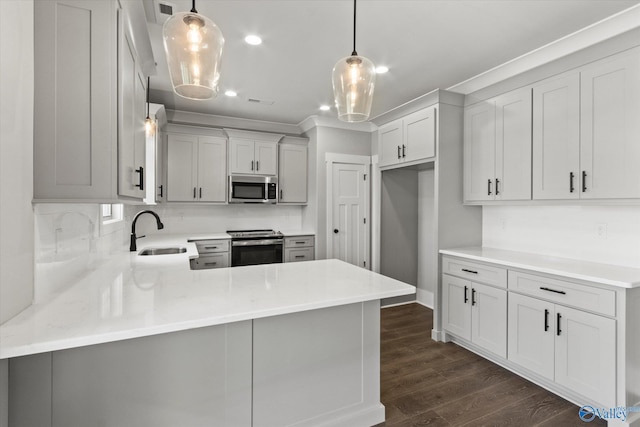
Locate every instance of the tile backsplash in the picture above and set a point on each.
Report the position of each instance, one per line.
(70, 240)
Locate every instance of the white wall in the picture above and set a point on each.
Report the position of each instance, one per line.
(16, 156)
(427, 238)
(566, 231)
(330, 140)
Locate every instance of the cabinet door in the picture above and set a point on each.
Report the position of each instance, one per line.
(585, 356)
(212, 169)
(531, 334)
(513, 146)
(390, 144)
(241, 156)
(298, 254)
(182, 167)
(456, 306)
(489, 318)
(75, 118)
(556, 138)
(610, 127)
(292, 176)
(479, 152)
(266, 157)
(420, 134)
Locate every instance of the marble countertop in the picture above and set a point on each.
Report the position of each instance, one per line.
(131, 296)
(613, 275)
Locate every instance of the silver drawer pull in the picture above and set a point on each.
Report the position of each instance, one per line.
(542, 288)
(210, 263)
(469, 271)
(299, 256)
(211, 247)
(300, 243)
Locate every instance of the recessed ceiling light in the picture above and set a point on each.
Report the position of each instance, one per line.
(253, 40)
(325, 108)
(381, 69)
(231, 93)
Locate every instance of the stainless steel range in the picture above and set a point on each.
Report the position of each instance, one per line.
(250, 247)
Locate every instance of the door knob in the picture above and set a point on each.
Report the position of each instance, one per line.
(335, 230)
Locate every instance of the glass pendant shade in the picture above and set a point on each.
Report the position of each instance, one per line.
(193, 44)
(354, 78)
(149, 127)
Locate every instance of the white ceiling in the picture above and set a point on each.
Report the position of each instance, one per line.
(427, 44)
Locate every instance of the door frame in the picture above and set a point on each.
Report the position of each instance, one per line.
(330, 160)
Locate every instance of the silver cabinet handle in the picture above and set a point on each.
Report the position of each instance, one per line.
(257, 165)
(251, 164)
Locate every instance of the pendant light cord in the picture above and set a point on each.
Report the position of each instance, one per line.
(354, 53)
(193, 6)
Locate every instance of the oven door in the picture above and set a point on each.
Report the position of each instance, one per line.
(252, 252)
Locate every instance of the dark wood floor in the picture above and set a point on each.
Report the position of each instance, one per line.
(424, 382)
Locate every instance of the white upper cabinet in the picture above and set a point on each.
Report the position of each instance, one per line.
(586, 132)
(497, 148)
(610, 127)
(292, 174)
(556, 138)
(248, 156)
(89, 141)
(131, 116)
(75, 98)
(196, 168)
(409, 140)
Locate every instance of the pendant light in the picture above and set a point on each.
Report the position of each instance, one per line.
(193, 44)
(149, 125)
(354, 78)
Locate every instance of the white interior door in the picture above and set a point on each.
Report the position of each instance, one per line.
(348, 225)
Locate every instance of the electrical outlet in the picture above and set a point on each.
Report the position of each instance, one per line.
(601, 231)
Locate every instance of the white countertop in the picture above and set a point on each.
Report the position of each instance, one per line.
(613, 275)
(132, 296)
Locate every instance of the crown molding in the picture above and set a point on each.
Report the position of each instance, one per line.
(209, 120)
(331, 122)
(607, 28)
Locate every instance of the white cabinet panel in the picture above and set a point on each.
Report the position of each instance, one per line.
(212, 169)
(585, 356)
(489, 318)
(182, 154)
(456, 306)
(292, 176)
(556, 138)
(531, 334)
(390, 136)
(479, 152)
(247, 156)
(408, 140)
(419, 130)
(513, 146)
(196, 168)
(75, 97)
(610, 127)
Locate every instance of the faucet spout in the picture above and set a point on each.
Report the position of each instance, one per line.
(159, 224)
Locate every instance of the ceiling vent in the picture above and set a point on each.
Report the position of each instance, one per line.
(260, 101)
(163, 10)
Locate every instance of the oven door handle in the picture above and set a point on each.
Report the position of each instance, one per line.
(263, 242)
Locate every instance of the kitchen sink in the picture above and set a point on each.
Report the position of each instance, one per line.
(162, 251)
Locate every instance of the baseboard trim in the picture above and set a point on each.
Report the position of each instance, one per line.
(425, 298)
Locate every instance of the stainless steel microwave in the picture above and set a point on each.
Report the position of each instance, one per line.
(253, 189)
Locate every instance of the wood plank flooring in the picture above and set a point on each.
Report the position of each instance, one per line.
(427, 383)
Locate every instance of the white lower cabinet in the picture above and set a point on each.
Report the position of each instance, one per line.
(475, 312)
(299, 248)
(574, 348)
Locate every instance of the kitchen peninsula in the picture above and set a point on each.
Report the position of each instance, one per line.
(144, 340)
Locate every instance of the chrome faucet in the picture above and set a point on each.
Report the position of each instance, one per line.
(132, 245)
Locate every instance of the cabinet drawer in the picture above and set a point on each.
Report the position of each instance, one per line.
(568, 293)
(298, 242)
(481, 273)
(212, 246)
(301, 254)
(219, 260)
